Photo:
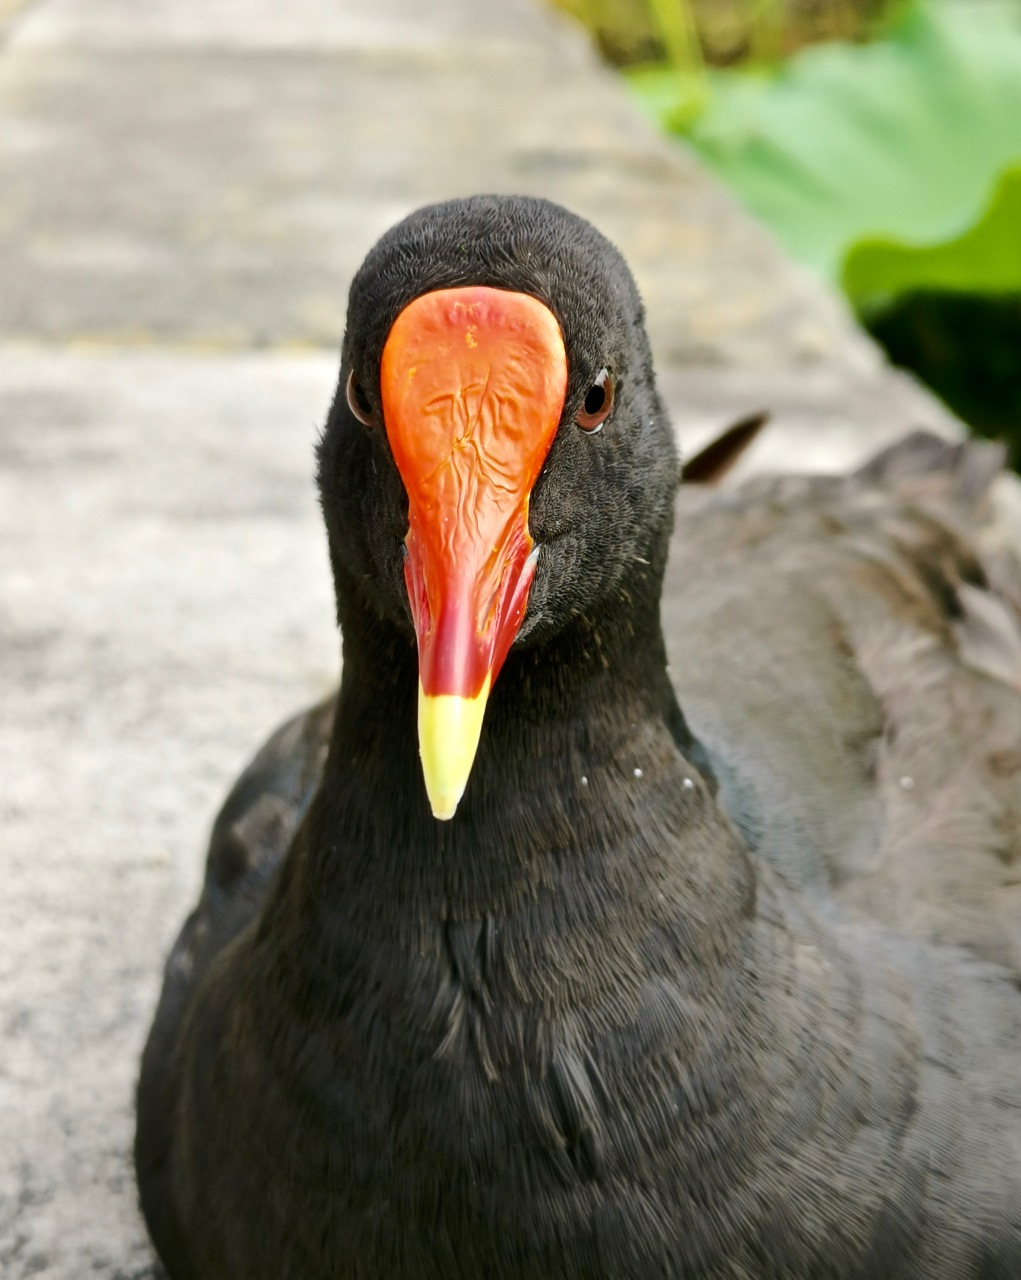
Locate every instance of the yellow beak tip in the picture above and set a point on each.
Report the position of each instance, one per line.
(449, 727)
(444, 807)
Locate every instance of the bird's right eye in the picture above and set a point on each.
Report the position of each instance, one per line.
(358, 402)
(598, 403)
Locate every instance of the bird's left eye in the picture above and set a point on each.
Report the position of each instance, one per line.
(358, 402)
(597, 404)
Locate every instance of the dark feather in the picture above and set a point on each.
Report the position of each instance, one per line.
(717, 459)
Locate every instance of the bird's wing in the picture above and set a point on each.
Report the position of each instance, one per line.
(250, 837)
(261, 814)
(849, 652)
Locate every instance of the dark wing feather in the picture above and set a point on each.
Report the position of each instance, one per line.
(849, 651)
(250, 837)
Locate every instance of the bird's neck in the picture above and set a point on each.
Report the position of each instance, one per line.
(581, 760)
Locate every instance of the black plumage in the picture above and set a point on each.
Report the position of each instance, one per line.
(739, 999)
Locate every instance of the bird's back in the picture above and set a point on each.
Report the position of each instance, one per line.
(849, 651)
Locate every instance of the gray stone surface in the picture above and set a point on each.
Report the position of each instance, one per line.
(146, 499)
(186, 189)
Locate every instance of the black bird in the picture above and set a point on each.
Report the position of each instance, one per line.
(564, 985)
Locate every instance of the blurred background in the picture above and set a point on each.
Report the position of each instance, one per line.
(880, 141)
(186, 188)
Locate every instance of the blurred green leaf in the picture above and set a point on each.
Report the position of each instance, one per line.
(880, 156)
(984, 259)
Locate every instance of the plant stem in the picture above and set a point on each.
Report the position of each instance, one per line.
(679, 29)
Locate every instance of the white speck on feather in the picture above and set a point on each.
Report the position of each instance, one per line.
(638, 773)
(584, 781)
(688, 784)
(907, 783)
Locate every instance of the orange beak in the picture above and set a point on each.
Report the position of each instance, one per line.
(473, 382)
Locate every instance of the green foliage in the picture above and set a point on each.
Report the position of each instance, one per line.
(724, 32)
(675, 21)
(884, 166)
(985, 258)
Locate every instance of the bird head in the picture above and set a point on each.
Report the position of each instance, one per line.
(497, 462)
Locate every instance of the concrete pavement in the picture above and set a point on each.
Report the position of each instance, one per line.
(185, 190)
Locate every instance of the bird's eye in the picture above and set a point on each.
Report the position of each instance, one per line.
(358, 401)
(597, 404)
